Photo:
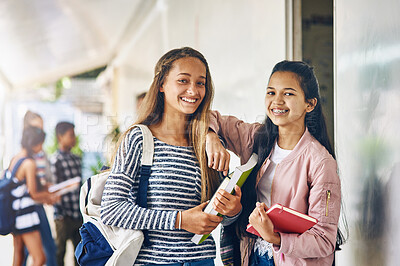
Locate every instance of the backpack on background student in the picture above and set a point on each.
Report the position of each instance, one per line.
(7, 213)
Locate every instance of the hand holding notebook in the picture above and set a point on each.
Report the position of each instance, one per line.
(286, 220)
(238, 177)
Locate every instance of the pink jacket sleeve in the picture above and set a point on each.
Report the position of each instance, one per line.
(239, 136)
(324, 204)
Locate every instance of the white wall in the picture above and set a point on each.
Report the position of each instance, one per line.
(241, 40)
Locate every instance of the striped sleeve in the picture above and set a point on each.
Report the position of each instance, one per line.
(118, 206)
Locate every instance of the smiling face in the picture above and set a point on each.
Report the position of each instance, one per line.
(184, 87)
(285, 101)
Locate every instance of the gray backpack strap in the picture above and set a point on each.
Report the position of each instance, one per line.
(148, 146)
(145, 170)
(147, 162)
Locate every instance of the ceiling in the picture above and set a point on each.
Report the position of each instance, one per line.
(42, 41)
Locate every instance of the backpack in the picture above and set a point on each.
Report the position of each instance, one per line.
(104, 244)
(7, 213)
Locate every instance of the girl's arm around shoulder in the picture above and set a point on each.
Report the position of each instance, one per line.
(239, 136)
(218, 157)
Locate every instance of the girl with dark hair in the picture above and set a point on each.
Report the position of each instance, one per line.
(33, 119)
(296, 168)
(27, 221)
(43, 177)
(176, 111)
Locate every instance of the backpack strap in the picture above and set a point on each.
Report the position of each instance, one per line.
(16, 166)
(147, 162)
(148, 145)
(145, 170)
(89, 185)
(13, 172)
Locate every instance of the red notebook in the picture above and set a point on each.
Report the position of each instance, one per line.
(287, 220)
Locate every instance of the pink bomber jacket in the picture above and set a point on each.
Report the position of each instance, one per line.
(306, 180)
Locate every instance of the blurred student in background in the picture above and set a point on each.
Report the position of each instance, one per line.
(42, 163)
(66, 165)
(27, 194)
(43, 175)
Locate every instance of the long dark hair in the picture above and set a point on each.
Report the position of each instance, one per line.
(267, 134)
(31, 137)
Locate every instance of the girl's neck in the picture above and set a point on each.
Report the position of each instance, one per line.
(288, 138)
(22, 153)
(172, 130)
(63, 148)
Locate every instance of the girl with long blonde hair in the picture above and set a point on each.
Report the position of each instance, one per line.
(176, 110)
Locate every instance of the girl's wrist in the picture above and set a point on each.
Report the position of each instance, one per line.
(236, 213)
(276, 240)
(178, 221)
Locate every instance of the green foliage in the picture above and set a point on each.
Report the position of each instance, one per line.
(96, 168)
(76, 149)
(114, 134)
(58, 89)
(52, 147)
(373, 154)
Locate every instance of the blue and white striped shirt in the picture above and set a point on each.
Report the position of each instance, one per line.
(174, 185)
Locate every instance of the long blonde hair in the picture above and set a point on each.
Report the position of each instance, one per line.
(152, 109)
